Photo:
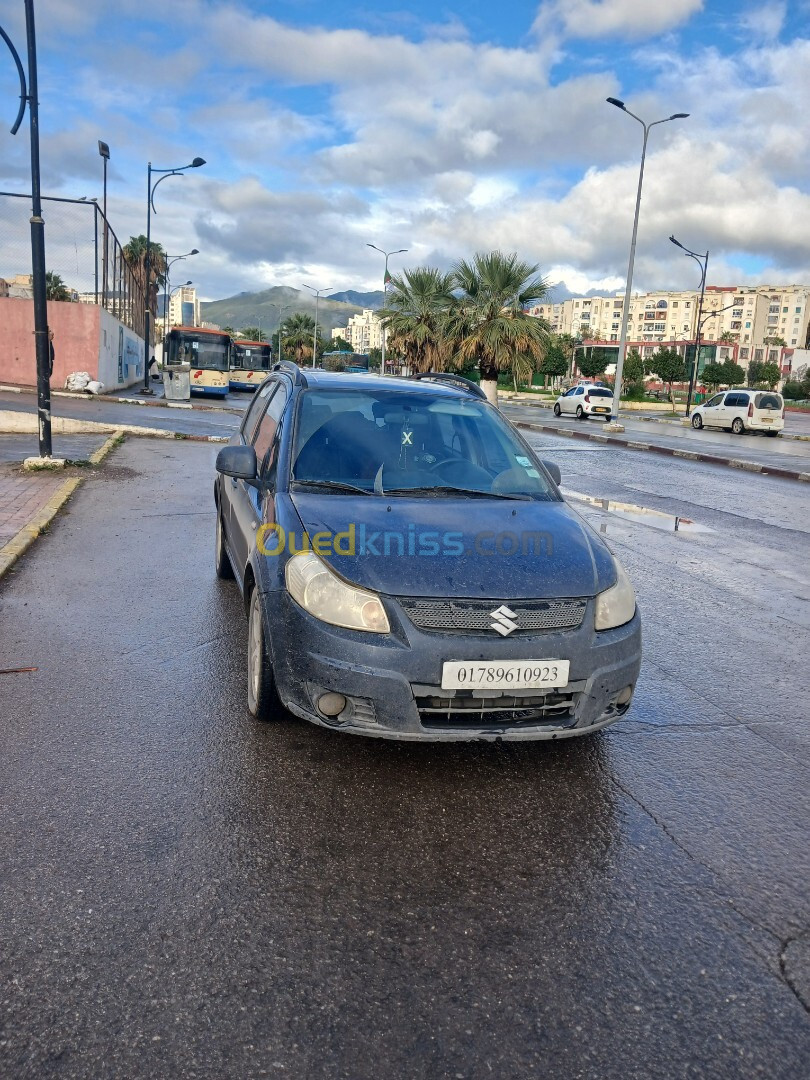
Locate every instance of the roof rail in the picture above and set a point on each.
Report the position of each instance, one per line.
(451, 377)
(291, 369)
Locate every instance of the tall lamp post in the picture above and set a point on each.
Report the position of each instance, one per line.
(614, 424)
(29, 96)
(170, 261)
(150, 208)
(104, 152)
(386, 279)
(315, 335)
(703, 263)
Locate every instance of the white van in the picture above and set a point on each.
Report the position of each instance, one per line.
(742, 410)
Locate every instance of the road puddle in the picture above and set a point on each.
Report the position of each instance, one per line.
(639, 515)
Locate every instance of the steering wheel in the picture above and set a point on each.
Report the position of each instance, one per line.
(446, 461)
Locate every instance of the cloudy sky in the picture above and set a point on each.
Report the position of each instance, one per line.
(439, 128)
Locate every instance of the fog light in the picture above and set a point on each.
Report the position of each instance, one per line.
(625, 696)
(331, 704)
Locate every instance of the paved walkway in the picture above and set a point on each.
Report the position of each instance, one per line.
(16, 448)
(22, 497)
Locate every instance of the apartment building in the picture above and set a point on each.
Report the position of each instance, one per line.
(742, 316)
(363, 332)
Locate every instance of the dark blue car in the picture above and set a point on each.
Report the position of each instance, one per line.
(410, 569)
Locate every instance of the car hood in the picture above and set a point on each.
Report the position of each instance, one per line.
(499, 549)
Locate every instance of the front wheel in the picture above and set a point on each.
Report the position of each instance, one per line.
(557, 409)
(737, 426)
(580, 412)
(222, 563)
(262, 696)
(697, 422)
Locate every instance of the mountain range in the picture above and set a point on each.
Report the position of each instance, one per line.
(268, 307)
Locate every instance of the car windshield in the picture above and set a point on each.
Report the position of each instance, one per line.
(397, 442)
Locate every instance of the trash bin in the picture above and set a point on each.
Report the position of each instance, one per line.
(177, 382)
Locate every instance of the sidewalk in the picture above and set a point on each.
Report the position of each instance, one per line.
(30, 500)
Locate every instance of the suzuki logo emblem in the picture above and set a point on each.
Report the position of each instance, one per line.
(502, 620)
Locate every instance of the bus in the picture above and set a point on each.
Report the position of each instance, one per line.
(250, 362)
(209, 354)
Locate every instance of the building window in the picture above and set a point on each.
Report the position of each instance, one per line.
(784, 311)
(748, 326)
(736, 313)
(615, 337)
(674, 303)
(618, 304)
(744, 353)
(659, 327)
(735, 326)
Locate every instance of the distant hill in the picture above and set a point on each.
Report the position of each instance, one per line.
(267, 308)
(373, 300)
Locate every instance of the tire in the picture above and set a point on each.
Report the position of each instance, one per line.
(697, 422)
(580, 413)
(222, 562)
(263, 700)
(557, 409)
(737, 426)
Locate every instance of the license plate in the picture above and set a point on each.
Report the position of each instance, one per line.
(599, 408)
(504, 674)
(767, 419)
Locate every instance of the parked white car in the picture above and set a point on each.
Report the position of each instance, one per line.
(742, 410)
(585, 400)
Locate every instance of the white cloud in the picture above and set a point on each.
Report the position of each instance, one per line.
(601, 18)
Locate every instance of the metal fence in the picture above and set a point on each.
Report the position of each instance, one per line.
(80, 247)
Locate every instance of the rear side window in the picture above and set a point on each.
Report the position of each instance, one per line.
(768, 401)
(599, 392)
(737, 401)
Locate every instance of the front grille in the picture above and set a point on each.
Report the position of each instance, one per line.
(465, 710)
(476, 616)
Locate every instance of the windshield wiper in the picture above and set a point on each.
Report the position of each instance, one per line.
(447, 489)
(332, 485)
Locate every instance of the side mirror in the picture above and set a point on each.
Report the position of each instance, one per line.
(554, 469)
(238, 462)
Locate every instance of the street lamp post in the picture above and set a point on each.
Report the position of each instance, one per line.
(170, 261)
(614, 424)
(150, 207)
(104, 152)
(703, 263)
(29, 96)
(315, 335)
(386, 279)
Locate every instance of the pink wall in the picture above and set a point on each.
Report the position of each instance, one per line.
(75, 340)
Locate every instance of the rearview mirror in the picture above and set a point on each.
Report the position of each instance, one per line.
(554, 470)
(238, 462)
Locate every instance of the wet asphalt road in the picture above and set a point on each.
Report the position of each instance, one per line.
(189, 893)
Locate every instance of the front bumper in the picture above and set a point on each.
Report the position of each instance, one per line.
(392, 681)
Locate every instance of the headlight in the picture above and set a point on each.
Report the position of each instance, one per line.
(616, 605)
(323, 594)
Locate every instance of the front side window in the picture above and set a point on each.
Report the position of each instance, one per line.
(716, 400)
(266, 430)
(256, 408)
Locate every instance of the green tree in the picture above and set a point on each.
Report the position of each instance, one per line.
(489, 324)
(633, 371)
(253, 333)
(297, 333)
(713, 375)
(770, 374)
(415, 317)
(135, 256)
(774, 341)
(374, 359)
(555, 363)
(340, 344)
(228, 330)
(55, 288)
(733, 374)
(592, 363)
(727, 338)
(670, 368)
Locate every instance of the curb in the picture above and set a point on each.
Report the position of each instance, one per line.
(22, 541)
(669, 451)
(19, 544)
(78, 395)
(23, 423)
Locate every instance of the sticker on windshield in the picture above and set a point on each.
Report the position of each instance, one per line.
(532, 472)
(524, 461)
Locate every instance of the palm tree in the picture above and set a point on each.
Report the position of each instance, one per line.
(415, 317)
(55, 288)
(253, 333)
(297, 335)
(135, 255)
(228, 330)
(489, 324)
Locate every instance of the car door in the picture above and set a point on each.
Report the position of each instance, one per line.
(247, 500)
(228, 486)
(711, 409)
(730, 409)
